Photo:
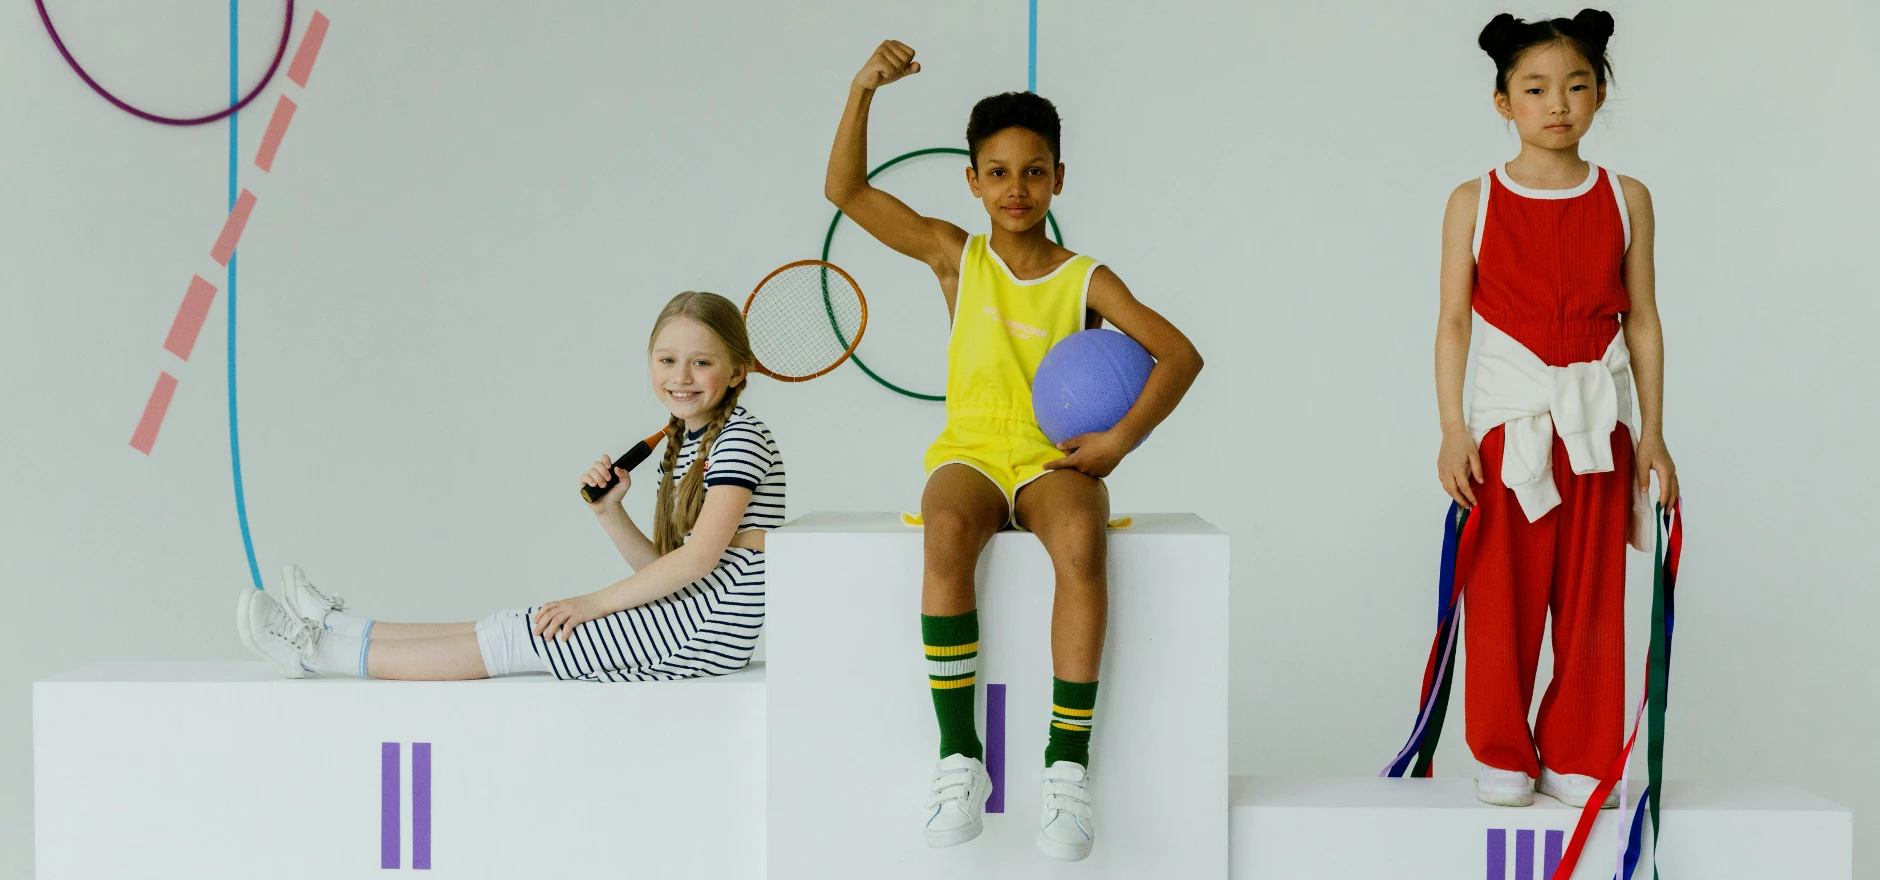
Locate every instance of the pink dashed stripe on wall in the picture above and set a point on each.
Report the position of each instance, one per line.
(277, 129)
(189, 318)
(309, 50)
(232, 228)
(146, 434)
(193, 313)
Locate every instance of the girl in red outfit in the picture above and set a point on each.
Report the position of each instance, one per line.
(1554, 254)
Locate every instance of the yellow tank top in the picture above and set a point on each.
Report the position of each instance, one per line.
(1002, 328)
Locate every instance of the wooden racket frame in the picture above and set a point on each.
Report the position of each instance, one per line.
(853, 343)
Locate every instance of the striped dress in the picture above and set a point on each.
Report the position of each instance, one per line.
(710, 626)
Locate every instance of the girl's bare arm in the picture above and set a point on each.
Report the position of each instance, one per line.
(634, 546)
(1459, 463)
(717, 522)
(1645, 339)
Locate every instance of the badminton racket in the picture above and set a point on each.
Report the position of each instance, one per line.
(627, 463)
(804, 319)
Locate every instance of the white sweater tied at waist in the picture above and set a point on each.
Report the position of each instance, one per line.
(1531, 401)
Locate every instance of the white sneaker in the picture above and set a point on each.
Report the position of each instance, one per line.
(1574, 790)
(271, 632)
(1067, 828)
(305, 601)
(1504, 788)
(956, 807)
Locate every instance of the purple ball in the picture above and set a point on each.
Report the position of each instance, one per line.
(1087, 382)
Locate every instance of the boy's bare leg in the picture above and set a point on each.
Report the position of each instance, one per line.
(1069, 511)
(962, 510)
(384, 630)
(440, 658)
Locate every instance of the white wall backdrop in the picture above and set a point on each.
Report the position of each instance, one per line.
(446, 285)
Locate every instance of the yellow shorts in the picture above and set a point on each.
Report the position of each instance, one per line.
(1008, 452)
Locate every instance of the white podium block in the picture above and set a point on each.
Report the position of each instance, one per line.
(1435, 829)
(212, 770)
(853, 739)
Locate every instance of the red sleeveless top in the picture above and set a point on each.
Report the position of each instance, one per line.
(1549, 264)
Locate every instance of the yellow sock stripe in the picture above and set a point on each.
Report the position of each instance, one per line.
(952, 650)
(949, 685)
(1076, 713)
(1084, 728)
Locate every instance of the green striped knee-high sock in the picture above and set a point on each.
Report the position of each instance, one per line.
(952, 669)
(1073, 711)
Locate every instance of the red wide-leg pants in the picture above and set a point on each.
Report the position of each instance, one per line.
(1570, 563)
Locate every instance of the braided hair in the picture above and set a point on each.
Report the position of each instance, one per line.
(1507, 38)
(679, 502)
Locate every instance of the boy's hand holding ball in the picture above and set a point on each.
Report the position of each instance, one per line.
(1095, 454)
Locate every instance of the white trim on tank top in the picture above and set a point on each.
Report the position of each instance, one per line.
(1481, 212)
(1612, 177)
(953, 320)
(1584, 186)
(1014, 277)
(1083, 297)
(1625, 216)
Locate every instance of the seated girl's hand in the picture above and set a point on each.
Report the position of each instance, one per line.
(1095, 454)
(557, 619)
(597, 476)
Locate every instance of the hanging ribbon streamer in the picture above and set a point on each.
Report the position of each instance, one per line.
(287, 29)
(1670, 547)
(1440, 670)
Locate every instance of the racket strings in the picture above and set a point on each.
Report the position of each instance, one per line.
(804, 320)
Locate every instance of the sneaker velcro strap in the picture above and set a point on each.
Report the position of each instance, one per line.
(1064, 789)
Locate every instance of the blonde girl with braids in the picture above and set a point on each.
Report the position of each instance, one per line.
(695, 600)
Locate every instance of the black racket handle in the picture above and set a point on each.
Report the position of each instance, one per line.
(627, 463)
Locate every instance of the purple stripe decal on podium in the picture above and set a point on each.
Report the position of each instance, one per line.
(1555, 839)
(1497, 854)
(388, 805)
(995, 746)
(1524, 854)
(421, 806)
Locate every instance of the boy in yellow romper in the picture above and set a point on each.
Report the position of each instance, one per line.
(1012, 296)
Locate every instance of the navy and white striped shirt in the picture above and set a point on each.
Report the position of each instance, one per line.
(745, 454)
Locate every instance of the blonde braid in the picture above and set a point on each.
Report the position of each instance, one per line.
(690, 498)
(663, 538)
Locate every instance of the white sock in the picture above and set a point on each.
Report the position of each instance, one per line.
(344, 624)
(342, 654)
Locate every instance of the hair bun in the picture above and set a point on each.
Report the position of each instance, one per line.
(1595, 25)
(1499, 35)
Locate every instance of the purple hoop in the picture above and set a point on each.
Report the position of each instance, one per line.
(280, 53)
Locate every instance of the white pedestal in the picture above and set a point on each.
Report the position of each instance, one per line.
(212, 770)
(852, 732)
(1435, 829)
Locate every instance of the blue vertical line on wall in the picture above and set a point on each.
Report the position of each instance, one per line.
(234, 423)
(1031, 52)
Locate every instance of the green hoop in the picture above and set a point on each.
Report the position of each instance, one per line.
(829, 241)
